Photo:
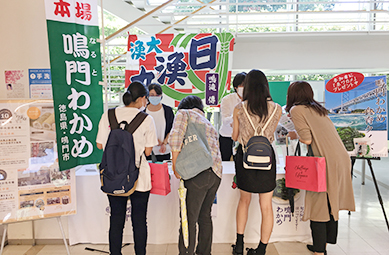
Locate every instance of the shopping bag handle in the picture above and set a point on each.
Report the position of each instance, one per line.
(297, 151)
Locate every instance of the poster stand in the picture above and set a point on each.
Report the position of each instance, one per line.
(353, 159)
(33, 235)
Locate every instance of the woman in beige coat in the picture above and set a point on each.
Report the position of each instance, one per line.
(315, 128)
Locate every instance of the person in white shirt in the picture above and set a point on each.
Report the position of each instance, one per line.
(145, 139)
(227, 109)
(163, 116)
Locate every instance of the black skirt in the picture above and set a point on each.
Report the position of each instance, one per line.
(254, 181)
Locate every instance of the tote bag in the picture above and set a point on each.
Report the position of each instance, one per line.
(307, 173)
(195, 155)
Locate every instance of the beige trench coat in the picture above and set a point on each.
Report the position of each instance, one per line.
(326, 143)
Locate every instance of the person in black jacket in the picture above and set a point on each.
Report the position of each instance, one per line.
(163, 117)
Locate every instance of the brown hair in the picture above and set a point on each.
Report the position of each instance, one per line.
(301, 93)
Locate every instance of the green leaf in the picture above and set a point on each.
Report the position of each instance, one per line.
(176, 39)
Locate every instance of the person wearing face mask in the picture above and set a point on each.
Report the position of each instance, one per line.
(227, 109)
(163, 116)
(145, 139)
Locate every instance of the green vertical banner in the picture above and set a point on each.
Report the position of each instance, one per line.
(75, 60)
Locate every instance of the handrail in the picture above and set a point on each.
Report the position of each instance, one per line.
(111, 36)
(179, 21)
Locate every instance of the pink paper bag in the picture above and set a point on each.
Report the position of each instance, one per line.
(160, 179)
(307, 173)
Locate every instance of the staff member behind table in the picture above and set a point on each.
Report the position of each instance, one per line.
(202, 188)
(145, 139)
(259, 105)
(315, 128)
(163, 117)
(227, 109)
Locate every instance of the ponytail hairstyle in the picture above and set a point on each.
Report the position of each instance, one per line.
(135, 90)
(256, 92)
(301, 93)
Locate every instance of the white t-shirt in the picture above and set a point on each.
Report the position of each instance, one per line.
(227, 109)
(160, 124)
(144, 136)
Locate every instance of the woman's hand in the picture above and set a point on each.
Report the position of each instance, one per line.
(293, 135)
(177, 175)
(163, 148)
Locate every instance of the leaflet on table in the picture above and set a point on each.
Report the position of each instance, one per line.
(31, 185)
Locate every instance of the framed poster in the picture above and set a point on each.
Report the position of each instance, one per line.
(357, 107)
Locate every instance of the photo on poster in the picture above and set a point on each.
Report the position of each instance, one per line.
(16, 82)
(358, 109)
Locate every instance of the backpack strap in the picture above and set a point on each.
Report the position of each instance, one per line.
(136, 122)
(113, 122)
(252, 124)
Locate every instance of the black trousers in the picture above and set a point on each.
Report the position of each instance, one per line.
(226, 144)
(324, 232)
(201, 191)
(118, 206)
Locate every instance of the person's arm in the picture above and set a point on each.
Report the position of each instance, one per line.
(235, 125)
(301, 125)
(226, 110)
(174, 160)
(99, 146)
(148, 151)
(176, 137)
(150, 136)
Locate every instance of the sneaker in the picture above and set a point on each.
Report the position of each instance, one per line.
(310, 247)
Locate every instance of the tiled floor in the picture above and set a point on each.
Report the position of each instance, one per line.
(364, 232)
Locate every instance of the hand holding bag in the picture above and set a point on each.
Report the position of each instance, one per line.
(195, 155)
(307, 173)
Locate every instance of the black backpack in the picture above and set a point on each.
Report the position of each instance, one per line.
(258, 152)
(118, 172)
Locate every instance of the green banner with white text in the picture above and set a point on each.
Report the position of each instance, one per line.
(75, 60)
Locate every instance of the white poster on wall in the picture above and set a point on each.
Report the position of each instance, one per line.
(31, 185)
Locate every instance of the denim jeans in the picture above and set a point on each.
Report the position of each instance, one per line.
(201, 191)
(118, 206)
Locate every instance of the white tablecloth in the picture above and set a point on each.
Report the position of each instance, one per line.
(91, 223)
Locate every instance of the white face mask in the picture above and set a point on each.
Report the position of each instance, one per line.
(240, 91)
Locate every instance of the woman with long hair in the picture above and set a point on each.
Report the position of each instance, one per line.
(315, 128)
(259, 106)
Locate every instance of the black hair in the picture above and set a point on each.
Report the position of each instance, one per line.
(191, 102)
(238, 79)
(135, 89)
(156, 87)
(256, 93)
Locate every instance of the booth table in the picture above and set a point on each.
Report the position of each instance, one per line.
(91, 223)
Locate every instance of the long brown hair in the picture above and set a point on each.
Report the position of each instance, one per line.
(301, 93)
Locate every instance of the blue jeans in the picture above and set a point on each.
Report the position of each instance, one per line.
(201, 191)
(117, 219)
